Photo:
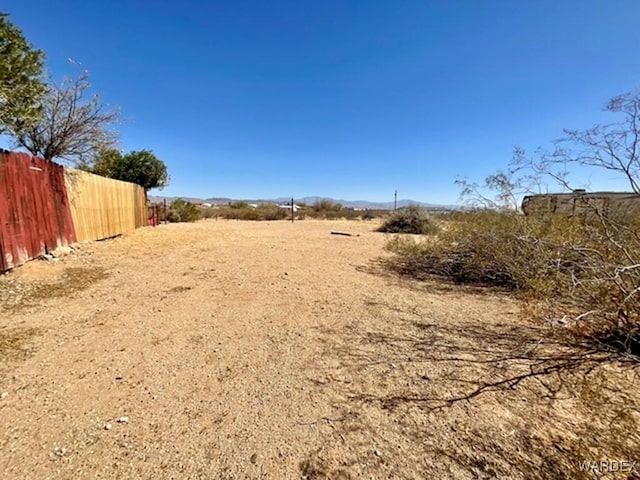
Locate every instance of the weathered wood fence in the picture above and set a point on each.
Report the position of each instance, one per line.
(581, 202)
(34, 209)
(44, 206)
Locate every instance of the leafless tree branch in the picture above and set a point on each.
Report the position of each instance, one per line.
(74, 126)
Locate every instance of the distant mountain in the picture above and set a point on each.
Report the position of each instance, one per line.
(219, 201)
(309, 201)
(374, 205)
(160, 199)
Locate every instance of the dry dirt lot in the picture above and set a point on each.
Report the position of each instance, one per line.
(226, 349)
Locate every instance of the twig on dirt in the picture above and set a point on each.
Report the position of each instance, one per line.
(586, 360)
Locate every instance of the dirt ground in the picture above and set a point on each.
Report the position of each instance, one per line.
(227, 349)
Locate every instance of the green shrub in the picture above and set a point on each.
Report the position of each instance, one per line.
(260, 213)
(327, 206)
(326, 210)
(173, 216)
(183, 211)
(411, 219)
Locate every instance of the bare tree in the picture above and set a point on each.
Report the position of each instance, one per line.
(501, 191)
(614, 147)
(73, 127)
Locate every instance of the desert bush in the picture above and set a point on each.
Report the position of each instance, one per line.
(260, 213)
(239, 204)
(411, 219)
(173, 216)
(207, 212)
(183, 211)
(368, 215)
(371, 214)
(581, 271)
(582, 268)
(328, 210)
(325, 209)
(271, 212)
(475, 250)
(326, 206)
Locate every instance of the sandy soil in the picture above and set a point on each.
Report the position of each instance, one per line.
(228, 349)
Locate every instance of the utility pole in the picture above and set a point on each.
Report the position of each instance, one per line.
(395, 200)
(292, 211)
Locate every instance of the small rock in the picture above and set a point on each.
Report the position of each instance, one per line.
(4, 395)
(254, 458)
(61, 251)
(123, 420)
(377, 453)
(59, 451)
(107, 426)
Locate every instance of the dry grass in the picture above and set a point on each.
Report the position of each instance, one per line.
(16, 294)
(580, 271)
(17, 343)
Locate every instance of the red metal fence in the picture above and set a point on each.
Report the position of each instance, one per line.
(34, 209)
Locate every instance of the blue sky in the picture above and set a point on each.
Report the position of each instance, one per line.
(350, 99)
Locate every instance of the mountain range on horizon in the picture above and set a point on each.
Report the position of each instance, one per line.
(309, 200)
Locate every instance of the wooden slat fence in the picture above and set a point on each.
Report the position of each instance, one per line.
(102, 207)
(44, 206)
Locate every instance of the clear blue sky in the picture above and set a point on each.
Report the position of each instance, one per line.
(350, 99)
